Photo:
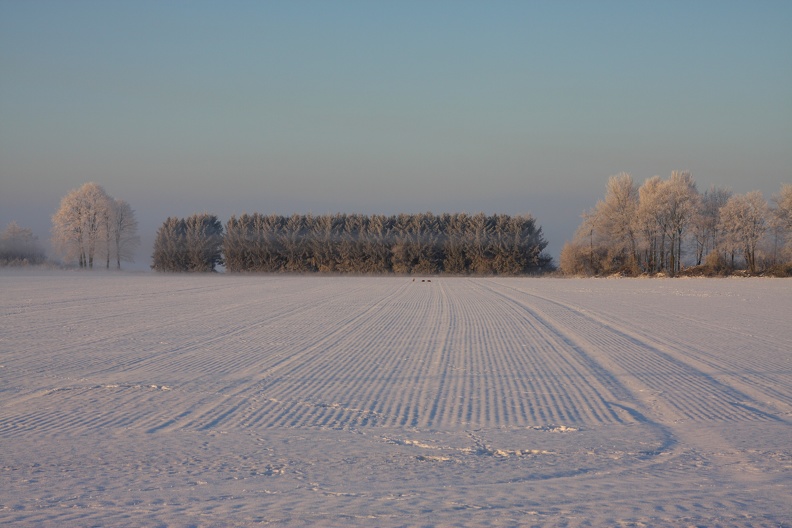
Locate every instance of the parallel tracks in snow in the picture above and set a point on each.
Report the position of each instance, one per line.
(261, 352)
(122, 397)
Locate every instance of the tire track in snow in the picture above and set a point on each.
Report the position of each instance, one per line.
(744, 321)
(120, 327)
(685, 391)
(433, 356)
(90, 407)
(694, 408)
(438, 356)
(342, 414)
(726, 356)
(144, 367)
(546, 379)
(388, 352)
(358, 371)
(254, 374)
(661, 390)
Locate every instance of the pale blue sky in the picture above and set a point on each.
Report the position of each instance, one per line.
(386, 107)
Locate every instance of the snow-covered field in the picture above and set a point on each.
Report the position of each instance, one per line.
(150, 400)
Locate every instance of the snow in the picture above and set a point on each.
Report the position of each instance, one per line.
(217, 400)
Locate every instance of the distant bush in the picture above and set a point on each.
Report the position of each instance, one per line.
(778, 270)
(19, 247)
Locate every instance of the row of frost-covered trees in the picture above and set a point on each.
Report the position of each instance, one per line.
(193, 244)
(662, 226)
(352, 243)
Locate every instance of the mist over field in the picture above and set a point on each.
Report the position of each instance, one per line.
(134, 399)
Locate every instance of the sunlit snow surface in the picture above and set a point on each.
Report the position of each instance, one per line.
(143, 400)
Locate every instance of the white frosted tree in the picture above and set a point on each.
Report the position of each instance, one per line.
(294, 243)
(79, 226)
(609, 238)
(91, 224)
(782, 223)
(376, 245)
(617, 222)
(783, 201)
(706, 223)
(744, 223)
(123, 232)
(652, 217)
(682, 206)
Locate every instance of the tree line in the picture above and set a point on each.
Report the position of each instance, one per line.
(648, 228)
(352, 243)
(193, 244)
(662, 226)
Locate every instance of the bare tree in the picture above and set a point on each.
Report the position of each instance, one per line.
(90, 223)
(123, 228)
(653, 231)
(706, 224)
(783, 201)
(617, 223)
(79, 225)
(607, 240)
(682, 205)
(665, 211)
(744, 222)
(781, 221)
